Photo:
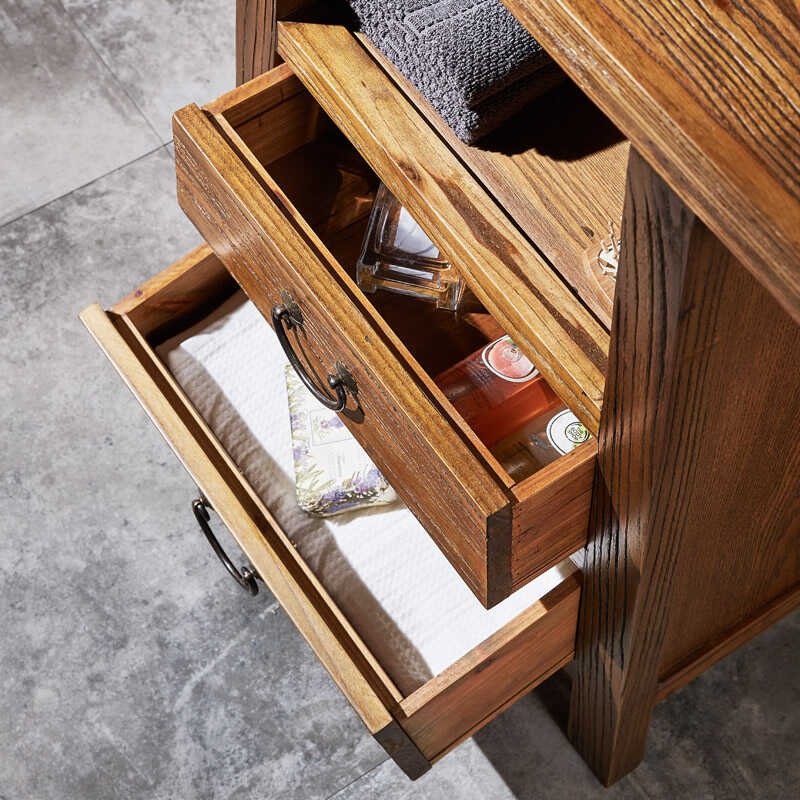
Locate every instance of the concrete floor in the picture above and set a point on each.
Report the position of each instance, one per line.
(131, 665)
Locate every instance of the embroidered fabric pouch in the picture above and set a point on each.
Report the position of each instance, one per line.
(332, 472)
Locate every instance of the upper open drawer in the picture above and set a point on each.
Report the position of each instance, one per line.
(282, 198)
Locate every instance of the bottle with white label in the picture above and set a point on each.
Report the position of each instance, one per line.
(540, 442)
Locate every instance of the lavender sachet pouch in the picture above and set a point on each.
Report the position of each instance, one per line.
(332, 472)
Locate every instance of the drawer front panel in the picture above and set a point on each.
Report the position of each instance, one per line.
(269, 249)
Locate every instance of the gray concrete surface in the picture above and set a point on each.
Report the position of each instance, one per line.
(131, 666)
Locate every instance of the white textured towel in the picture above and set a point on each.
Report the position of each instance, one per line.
(380, 566)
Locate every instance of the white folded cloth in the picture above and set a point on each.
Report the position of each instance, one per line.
(382, 569)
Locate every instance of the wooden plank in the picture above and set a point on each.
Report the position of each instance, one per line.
(398, 417)
(282, 129)
(558, 170)
(626, 576)
(504, 270)
(679, 675)
(743, 511)
(189, 287)
(709, 93)
(539, 679)
(257, 95)
(695, 519)
(550, 520)
(255, 38)
(515, 659)
(273, 113)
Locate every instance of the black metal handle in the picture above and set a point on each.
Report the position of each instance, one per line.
(247, 577)
(289, 317)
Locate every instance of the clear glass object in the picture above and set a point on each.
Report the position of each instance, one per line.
(397, 256)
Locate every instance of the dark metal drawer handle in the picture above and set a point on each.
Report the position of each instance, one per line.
(247, 577)
(287, 317)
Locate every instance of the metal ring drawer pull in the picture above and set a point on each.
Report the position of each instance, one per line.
(287, 317)
(247, 577)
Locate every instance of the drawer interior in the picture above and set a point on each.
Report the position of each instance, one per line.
(330, 185)
(516, 214)
(505, 270)
(521, 642)
(232, 368)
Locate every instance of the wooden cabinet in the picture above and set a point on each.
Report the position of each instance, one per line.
(686, 503)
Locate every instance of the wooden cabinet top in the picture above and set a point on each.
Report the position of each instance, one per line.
(708, 91)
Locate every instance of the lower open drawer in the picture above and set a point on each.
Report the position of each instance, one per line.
(415, 727)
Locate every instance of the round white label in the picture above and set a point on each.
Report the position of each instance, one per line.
(566, 432)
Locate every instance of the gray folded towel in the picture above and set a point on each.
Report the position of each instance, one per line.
(471, 59)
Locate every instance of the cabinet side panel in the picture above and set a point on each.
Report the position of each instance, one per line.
(694, 522)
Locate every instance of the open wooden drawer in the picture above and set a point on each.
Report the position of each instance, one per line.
(273, 230)
(416, 729)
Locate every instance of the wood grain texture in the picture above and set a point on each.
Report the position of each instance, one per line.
(255, 35)
(558, 170)
(518, 657)
(709, 93)
(698, 662)
(267, 247)
(258, 95)
(506, 272)
(187, 289)
(550, 519)
(541, 678)
(273, 113)
(255, 38)
(692, 526)
(743, 510)
(622, 622)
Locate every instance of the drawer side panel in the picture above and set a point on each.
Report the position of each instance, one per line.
(551, 516)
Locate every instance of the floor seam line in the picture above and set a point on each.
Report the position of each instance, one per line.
(357, 779)
(33, 210)
(111, 72)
